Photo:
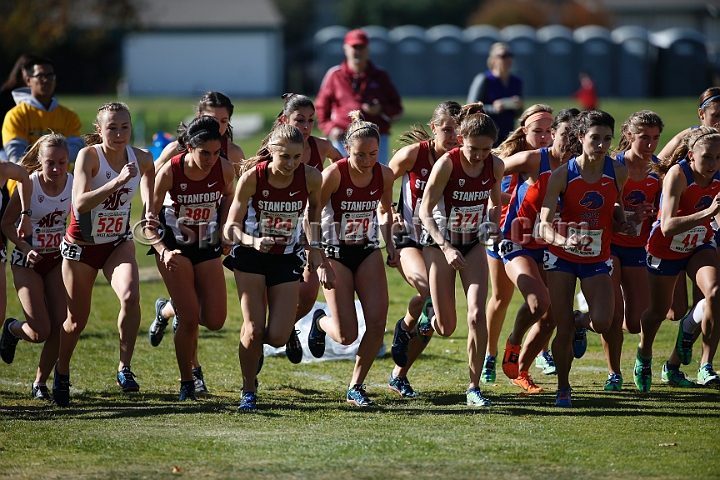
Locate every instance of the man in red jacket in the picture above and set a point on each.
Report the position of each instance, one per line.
(357, 84)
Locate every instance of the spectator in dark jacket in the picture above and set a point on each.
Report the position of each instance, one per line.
(357, 84)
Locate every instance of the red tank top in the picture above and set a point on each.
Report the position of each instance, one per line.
(350, 216)
(695, 199)
(635, 194)
(412, 189)
(315, 159)
(591, 206)
(194, 203)
(277, 212)
(463, 206)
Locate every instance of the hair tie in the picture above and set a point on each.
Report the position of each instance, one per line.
(372, 126)
(537, 116)
(288, 96)
(713, 98)
(701, 136)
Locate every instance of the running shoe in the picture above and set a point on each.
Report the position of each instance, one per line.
(356, 396)
(675, 377)
(316, 337)
(126, 380)
(187, 391)
(510, 360)
(199, 380)
(248, 402)
(707, 376)
(293, 348)
(41, 392)
(643, 373)
(488, 372)
(684, 344)
(613, 383)
(476, 399)
(563, 398)
(176, 319)
(8, 342)
(579, 339)
(401, 340)
(61, 388)
(158, 326)
(546, 361)
(401, 386)
(525, 381)
(424, 324)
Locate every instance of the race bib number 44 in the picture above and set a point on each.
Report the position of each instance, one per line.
(280, 224)
(466, 219)
(688, 241)
(197, 214)
(110, 224)
(356, 226)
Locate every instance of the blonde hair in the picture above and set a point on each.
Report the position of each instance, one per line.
(95, 138)
(516, 141)
(698, 135)
(494, 49)
(360, 129)
(281, 132)
(31, 160)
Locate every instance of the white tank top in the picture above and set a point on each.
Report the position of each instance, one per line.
(48, 215)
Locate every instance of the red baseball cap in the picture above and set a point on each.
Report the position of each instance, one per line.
(356, 37)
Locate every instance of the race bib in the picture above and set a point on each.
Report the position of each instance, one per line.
(507, 247)
(48, 239)
(110, 223)
(688, 241)
(279, 224)
(591, 244)
(70, 251)
(638, 226)
(197, 213)
(466, 219)
(356, 226)
(416, 213)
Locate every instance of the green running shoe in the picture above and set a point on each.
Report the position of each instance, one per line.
(476, 399)
(424, 325)
(708, 377)
(546, 361)
(643, 373)
(488, 372)
(675, 377)
(684, 344)
(613, 383)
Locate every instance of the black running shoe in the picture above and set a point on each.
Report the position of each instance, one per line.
(158, 326)
(316, 337)
(126, 380)
(61, 388)
(8, 342)
(199, 380)
(399, 348)
(187, 391)
(41, 392)
(293, 348)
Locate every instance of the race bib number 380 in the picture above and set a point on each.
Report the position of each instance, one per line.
(110, 224)
(197, 214)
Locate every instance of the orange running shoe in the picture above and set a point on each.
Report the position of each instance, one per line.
(525, 381)
(510, 360)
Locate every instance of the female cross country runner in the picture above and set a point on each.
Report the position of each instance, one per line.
(522, 251)
(218, 106)
(196, 187)
(588, 186)
(464, 187)
(355, 192)
(299, 111)
(639, 138)
(108, 173)
(529, 136)
(682, 239)
(413, 163)
(268, 258)
(36, 260)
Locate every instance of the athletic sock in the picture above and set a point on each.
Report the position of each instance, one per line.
(670, 366)
(694, 318)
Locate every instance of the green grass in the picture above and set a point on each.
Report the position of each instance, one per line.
(304, 427)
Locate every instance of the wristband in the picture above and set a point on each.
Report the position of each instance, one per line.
(162, 253)
(315, 244)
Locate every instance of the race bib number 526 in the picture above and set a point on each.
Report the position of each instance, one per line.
(110, 224)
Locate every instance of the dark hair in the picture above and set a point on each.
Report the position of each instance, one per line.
(565, 116)
(94, 138)
(293, 103)
(216, 100)
(15, 77)
(580, 125)
(474, 123)
(706, 97)
(29, 65)
(643, 118)
(515, 142)
(359, 129)
(689, 141)
(199, 131)
(418, 133)
(281, 132)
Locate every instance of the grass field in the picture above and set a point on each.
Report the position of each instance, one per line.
(304, 428)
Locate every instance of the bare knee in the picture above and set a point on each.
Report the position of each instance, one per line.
(130, 300)
(538, 304)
